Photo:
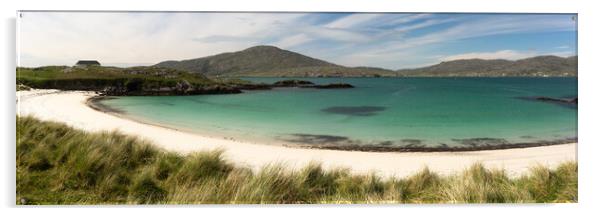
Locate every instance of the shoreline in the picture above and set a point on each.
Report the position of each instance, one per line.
(445, 149)
(71, 107)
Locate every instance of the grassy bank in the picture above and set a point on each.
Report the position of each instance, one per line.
(96, 77)
(57, 164)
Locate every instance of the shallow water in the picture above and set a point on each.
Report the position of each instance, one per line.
(386, 112)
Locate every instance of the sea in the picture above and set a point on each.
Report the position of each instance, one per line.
(379, 112)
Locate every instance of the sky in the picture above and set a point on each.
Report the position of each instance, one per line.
(386, 40)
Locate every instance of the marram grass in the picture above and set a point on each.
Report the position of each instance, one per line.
(57, 164)
(21, 87)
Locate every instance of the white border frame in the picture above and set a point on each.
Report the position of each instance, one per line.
(589, 110)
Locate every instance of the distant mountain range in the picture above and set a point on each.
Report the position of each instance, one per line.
(273, 61)
(535, 66)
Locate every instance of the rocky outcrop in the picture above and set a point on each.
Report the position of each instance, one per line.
(180, 89)
(253, 86)
(183, 87)
(308, 84)
(114, 91)
(334, 86)
(293, 83)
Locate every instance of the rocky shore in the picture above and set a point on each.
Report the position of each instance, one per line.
(179, 89)
(185, 88)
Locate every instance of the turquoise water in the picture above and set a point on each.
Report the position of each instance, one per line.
(379, 111)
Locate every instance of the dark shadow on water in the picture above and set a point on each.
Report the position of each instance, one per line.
(564, 101)
(354, 110)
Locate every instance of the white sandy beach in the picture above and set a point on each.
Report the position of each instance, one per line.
(69, 107)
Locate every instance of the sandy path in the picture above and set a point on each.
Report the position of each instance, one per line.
(69, 107)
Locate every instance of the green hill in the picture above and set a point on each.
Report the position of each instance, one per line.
(535, 66)
(124, 81)
(269, 61)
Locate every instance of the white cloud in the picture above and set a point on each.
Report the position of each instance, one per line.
(369, 21)
(64, 37)
(484, 27)
(424, 24)
(353, 20)
(335, 34)
(410, 18)
(381, 40)
(292, 41)
(501, 54)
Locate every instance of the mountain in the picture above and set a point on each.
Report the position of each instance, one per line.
(269, 61)
(276, 62)
(535, 66)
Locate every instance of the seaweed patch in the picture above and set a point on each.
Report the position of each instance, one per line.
(477, 142)
(354, 110)
(412, 142)
(318, 139)
(95, 103)
(570, 102)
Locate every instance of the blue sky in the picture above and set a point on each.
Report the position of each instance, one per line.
(387, 40)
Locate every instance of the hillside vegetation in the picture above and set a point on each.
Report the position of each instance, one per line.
(96, 77)
(269, 61)
(536, 66)
(123, 81)
(57, 164)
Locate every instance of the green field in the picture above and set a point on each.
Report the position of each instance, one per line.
(57, 164)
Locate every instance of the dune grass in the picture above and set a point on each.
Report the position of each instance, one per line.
(21, 87)
(57, 164)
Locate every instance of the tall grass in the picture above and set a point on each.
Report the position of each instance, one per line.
(21, 87)
(57, 164)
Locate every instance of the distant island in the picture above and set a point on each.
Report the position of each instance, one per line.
(270, 61)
